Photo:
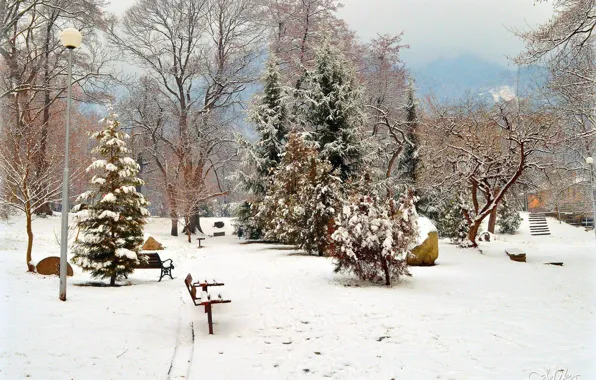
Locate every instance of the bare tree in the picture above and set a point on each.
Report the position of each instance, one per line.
(36, 64)
(487, 150)
(385, 82)
(297, 27)
(198, 57)
(567, 44)
(23, 188)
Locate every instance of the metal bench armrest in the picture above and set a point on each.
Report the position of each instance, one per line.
(166, 260)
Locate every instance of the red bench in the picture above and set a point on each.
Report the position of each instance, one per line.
(204, 298)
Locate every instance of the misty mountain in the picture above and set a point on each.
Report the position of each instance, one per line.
(455, 78)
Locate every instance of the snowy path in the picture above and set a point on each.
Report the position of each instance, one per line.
(472, 316)
(184, 350)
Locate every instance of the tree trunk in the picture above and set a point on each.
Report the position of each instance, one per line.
(174, 231)
(192, 224)
(473, 231)
(387, 274)
(42, 164)
(199, 224)
(30, 266)
(187, 231)
(113, 280)
(492, 221)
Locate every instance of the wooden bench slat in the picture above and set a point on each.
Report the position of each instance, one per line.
(205, 299)
(151, 260)
(212, 302)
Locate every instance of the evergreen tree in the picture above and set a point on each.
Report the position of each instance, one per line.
(375, 236)
(409, 160)
(113, 215)
(247, 224)
(508, 218)
(270, 117)
(302, 199)
(451, 222)
(321, 191)
(333, 110)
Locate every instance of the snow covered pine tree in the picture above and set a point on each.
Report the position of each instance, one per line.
(333, 109)
(113, 219)
(451, 222)
(409, 160)
(375, 236)
(508, 218)
(270, 118)
(301, 200)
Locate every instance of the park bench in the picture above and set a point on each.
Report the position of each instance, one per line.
(151, 260)
(204, 298)
(200, 239)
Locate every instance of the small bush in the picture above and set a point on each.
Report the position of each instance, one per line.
(374, 238)
(508, 218)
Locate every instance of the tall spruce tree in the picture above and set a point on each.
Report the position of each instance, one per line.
(270, 117)
(302, 200)
(333, 110)
(409, 161)
(112, 213)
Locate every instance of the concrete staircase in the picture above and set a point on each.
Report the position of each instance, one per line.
(538, 225)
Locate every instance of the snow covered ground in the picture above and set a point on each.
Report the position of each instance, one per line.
(473, 316)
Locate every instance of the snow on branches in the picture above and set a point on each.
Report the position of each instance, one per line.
(269, 115)
(509, 219)
(301, 200)
(486, 150)
(333, 110)
(113, 215)
(375, 236)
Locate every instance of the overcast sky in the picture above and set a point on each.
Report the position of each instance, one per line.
(440, 28)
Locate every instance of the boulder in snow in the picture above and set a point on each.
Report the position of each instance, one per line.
(51, 265)
(516, 255)
(151, 244)
(427, 251)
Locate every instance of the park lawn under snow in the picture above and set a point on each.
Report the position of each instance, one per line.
(473, 316)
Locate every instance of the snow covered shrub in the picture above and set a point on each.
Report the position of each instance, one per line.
(451, 222)
(111, 215)
(375, 236)
(246, 223)
(300, 204)
(508, 218)
(321, 193)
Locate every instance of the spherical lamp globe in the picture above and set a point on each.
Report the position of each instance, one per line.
(71, 38)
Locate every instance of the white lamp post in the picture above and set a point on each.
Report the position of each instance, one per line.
(71, 39)
(590, 162)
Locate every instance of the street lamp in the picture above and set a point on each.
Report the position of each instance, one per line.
(71, 39)
(590, 162)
